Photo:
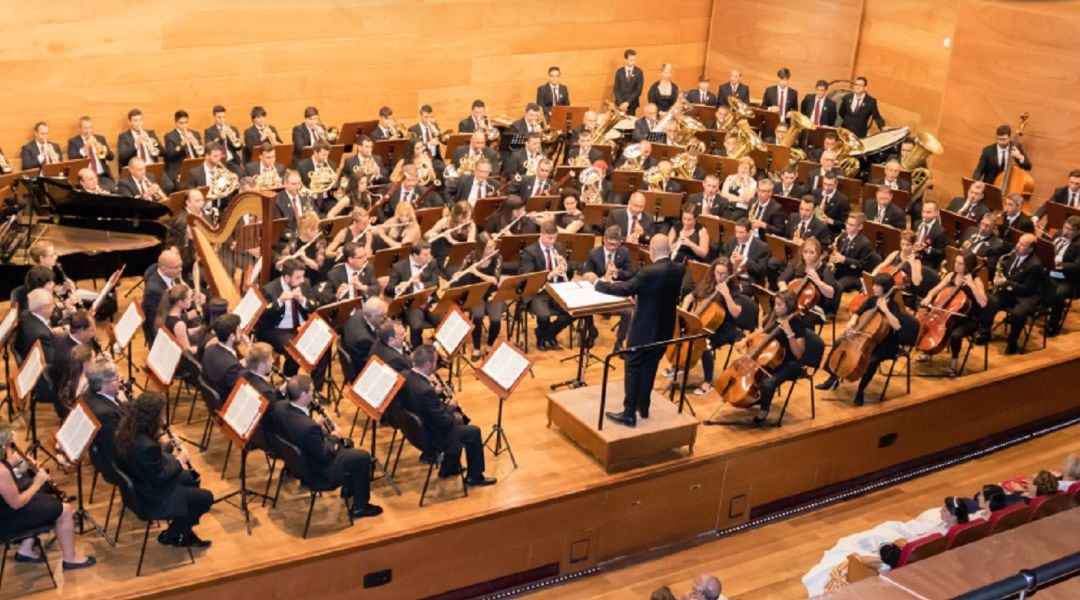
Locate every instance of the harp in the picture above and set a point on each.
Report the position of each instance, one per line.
(224, 249)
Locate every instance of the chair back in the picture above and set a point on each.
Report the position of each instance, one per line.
(965, 533)
(129, 494)
(209, 393)
(348, 369)
(814, 351)
(1008, 518)
(296, 464)
(1044, 506)
(102, 464)
(909, 330)
(413, 430)
(924, 547)
(751, 312)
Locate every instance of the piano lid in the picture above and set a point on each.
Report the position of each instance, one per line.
(59, 197)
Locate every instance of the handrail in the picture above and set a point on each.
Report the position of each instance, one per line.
(660, 344)
(1027, 580)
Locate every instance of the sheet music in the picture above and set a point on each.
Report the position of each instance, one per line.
(452, 331)
(7, 324)
(581, 294)
(243, 413)
(128, 324)
(316, 337)
(248, 307)
(31, 370)
(76, 433)
(256, 269)
(375, 383)
(164, 356)
(505, 366)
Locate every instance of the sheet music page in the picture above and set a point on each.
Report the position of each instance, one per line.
(582, 294)
(315, 338)
(128, 324)
(243, 413)
(505, 366)
(256, 269)
(375, 384)
(76, 433)
(164, 356)
(7, 324)
(32, 368)
(247, 308)
(451, 331)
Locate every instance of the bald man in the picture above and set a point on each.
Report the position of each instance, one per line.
(656, 288)
(159, 278)
(1017, 285)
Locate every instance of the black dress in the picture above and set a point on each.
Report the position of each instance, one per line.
(663, 102)
(42, 509)
(685, 253)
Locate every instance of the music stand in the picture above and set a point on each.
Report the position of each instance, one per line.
(186, 167)
(576, 246)
(240, 416)
(123, 331)
(454, 141)
(512, 245)
(582, 302)
(162, 361)
(283, 154)
(1055, 215)
(485, 207)
(767, 119)
(22, 386)
(713, 140)
(510, 141)
(884, 238)
(789, 204)
(156, 169)
(992, 196)
(428, 217)
(73, 437)
(666, 205)
(374, 388)
(596, 214)
(779, 157)
(519, 289)
(501, 372)
(390, 150)
(66, 169)
(624, 183)
(719, 228)
(459, 297)
(816, 138)
(955, 225)
(878, 172)
(781, 249)
(639, 255)
(661, 151)
(250, 308)
(541, 203)
(566, 118)
(7, 327)
(900, 198)
(338, 312)
(690, 186)
(312, 341)
(350, 131)
(451, 332)
(385, 259)
(404, 302)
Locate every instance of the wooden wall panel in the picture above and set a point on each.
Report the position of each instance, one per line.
(348, 57)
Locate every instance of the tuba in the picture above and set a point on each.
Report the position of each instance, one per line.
(655, 179)
(590, 179)
(797, 124)
(740, 111)
(925, 145)
(579, 160)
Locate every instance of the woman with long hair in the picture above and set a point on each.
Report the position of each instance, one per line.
(175, 303)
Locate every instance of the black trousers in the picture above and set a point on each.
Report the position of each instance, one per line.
(197, 500)
(640, 375)
(1062, 292)
(1017, 310)
(279, 339)
(468, 438)
(787, 371)
(545, 309)
(419, 320)
(494, 312)
(351, 469)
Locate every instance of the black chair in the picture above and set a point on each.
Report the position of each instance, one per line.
(811, 362)
(14, 538)
(1047, 289)
(905, 343)
(972, 340)
(213, 403)
(133, 503)
(413, 431)
(296, 465)
(104, 468)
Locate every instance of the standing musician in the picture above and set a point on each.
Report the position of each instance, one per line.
(329, 455)
(740, 187)
(656, 288)
(94, 147)
(220, 363)
(366, 161)
(180, 143)
(883, 300)
(811, 263)
(166, 483)
(749, 256)
(477, 184)
(664, 93)
(881, 210)
(357, 232)
(476, 121)
(701, 95)
(766, 215)
(858, 109)
(354, 277)
(427, 131)
(552, 93)
(982, 241)
(851, 254)
(265, 169)
(24, 505)
(446, 430)
(691, 240)
(972, 205)
(930, 237)
(819, 108)
(228, 137)
(635, 225)
(734, 87)
(804, 225)
(308, 247)
(259, 133)
(629, 81)
(547, 255)
(290, 204)
(612, 259)
(140, 184)
(307, 133)
(40, 151)
(141, 143)
(1068, 195)
(412, 274)
(456, 227)
(964, 279)
(996, 157)
(361, 331)
(780, 97)
(1066, 271)
(709, 201)
(908, 264)
(1016, 287)
(1014, 218)
(716, 289)
(291, 301)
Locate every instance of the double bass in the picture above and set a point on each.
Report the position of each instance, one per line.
(850, 357)
(1014, 180)
(740, 383)
(947, 308)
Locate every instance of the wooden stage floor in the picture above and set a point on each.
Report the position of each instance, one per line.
(558, 512)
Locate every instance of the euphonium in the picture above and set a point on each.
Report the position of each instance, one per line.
(740, 111)
(632, 154)
(848, 145)
(655, 179)
(606, 123)
(925, 145)
(749, 141)
(685, 163)
(797, 124)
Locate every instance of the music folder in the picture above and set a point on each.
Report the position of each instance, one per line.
(7, 325)
(375, 387)
(164, 356)
(311, 342)
(124, 328)
(27, 375)
(106, 289)
(250, 308)
(504, 368)
(77, 432)
(452, 331)
(243, 411)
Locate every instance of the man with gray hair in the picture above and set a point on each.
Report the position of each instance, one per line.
(34, 327)
(106, 400)
(361, 332)
(708, 586)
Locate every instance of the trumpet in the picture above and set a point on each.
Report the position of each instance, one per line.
(51, 155)
(489, 131)
(267, 134)
(178, 448)
(330, 134)
(152, 145)
(5, 167)
(187, 138)
(153, 191)
(98, 148)
(232, 137)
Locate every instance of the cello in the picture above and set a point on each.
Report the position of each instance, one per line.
(1015, 180)
(850, 357)
(740, 384)
(708, 315)
(947, 308)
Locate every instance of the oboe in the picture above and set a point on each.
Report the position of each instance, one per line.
(447, 396)
(175, 441)
(31, 470)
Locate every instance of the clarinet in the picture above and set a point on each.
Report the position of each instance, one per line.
(49, 487)
(328, 425)
(447, 396)
(175, 441)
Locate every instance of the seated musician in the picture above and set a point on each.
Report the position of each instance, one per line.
(70, 360)
(810, 263)
(106, 399)
(291, 299)
(259, 133)
(445, 427)
(352, 192)
(642, 163)
(547, 255)
(709, 201)
(265, 169)
(589, 121)
(181, 143)
(829, 145)
(390, 347)
(670, 132)
(163, 481)
(290, 204)
(530, 122)
(476, 150)
(834, 204)
(224, 134)
(539, 184)
(906, 268)
(1000, 155)
(457, 227)
(318, 161)
(646, 124)
(418, 271)
(804, 225)
(94, 147)
(709, 290)
(1016, 286)
(307, 133)
(179, 233)
(1067, 195)
(552, 93)
(40, 151)
(964, 278)
(402, 229)
(24, 505)
(667, 184)
(740, 187)
(140, 184)
(828, 165)
(483, 265)
(172, 313)
(792, 339)
(220, 363)
(572, 219)
(366, 161)
(930, 237)
(522, 161)
(584, 154)
(635, 225)
(690, 240)
(89, 183)
(387, 127)
(882, 299)
(790, 187)
(1014, 218)
(476, 120)
(747, 248)
(416, 154)
(982, 241)
(891, 177)
(330, 455)
(972, 205)
(510, 219)
(722, 114)
(361, 331)
(1066, 271)
(766, 215)
(880, 209)
(34, 327)
(851, 254)
(137, 142)
(307, 247)
(260, 364)
(427, 131)
(778, 133)
(353, 277)
(410, 192)
(51, 276)
(611, 255)
(477, 184)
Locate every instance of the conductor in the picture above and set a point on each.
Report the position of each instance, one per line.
(657, 290)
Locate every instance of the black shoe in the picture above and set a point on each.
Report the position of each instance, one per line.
(89, 562)
(168, 538)
(22, 558)
(480, 481)
(367, 510)
(541, 343)
(190, 540)
(859, 401)
(553, 344)
(623, 418)
(760, 421)
(1011, 349)
(831, 383)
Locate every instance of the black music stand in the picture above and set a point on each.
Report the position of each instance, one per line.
(464, 297)
(485, 207)
(541, 203)
(992, 196)
(511, 142)
(519, 289)
(456, 257)
(624, 183)
(566, 118)
(584, 318)
(665, 205)
(511, 246)
(385, 259)
(185, 169)
(404, 302)
(245, 447)
(884, 238)
(428, 217)
(955, 225)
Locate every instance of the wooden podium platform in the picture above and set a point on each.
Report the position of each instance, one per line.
(617, 447)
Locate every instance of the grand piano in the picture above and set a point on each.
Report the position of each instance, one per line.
(94, 234)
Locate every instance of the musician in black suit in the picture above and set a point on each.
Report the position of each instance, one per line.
(387, 127)
(445, 427)
(220, 363)
(828, 148)
(734, 87)
(413, 274)
(982, 240)
(1068, 195)
(1014, 218)
(709, 201)
(997, 156)
(746, 248)
(360, 333)
(259, 361)
(790, 187)
(181, 143)
(803, 224)
(34, 327)
(105, 398)
(476, 121)
(412, 192)
(1017, 287)
(259, 133)
(611, 255)
(701, 95)
(547, 255)
(819, 108)
(289, 204)
(159, 278)
(477, 184)
(266, 162)
(291, 300)
(89, 145)
(166, 484)
(427, 131)
(219, 132)
(629, 82)
(530, 123)
(880, 209)
(517, 163)
(858, 109)
(138, 183)
(364, 154)
(851, 254)
(656, 288)
(353, 277)
(635, 225)
(645, 125)
(1065, 272)
(326, 454)
(552, 93)
(40, 151)
(202, 175)
(539, 184)
(307, 133)
(930, 237)
(81, 329)
(140, 143)
(971, 206)
(476, 149)
(766, 215)
(585, 149)
(781, 98)
(390, 347)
